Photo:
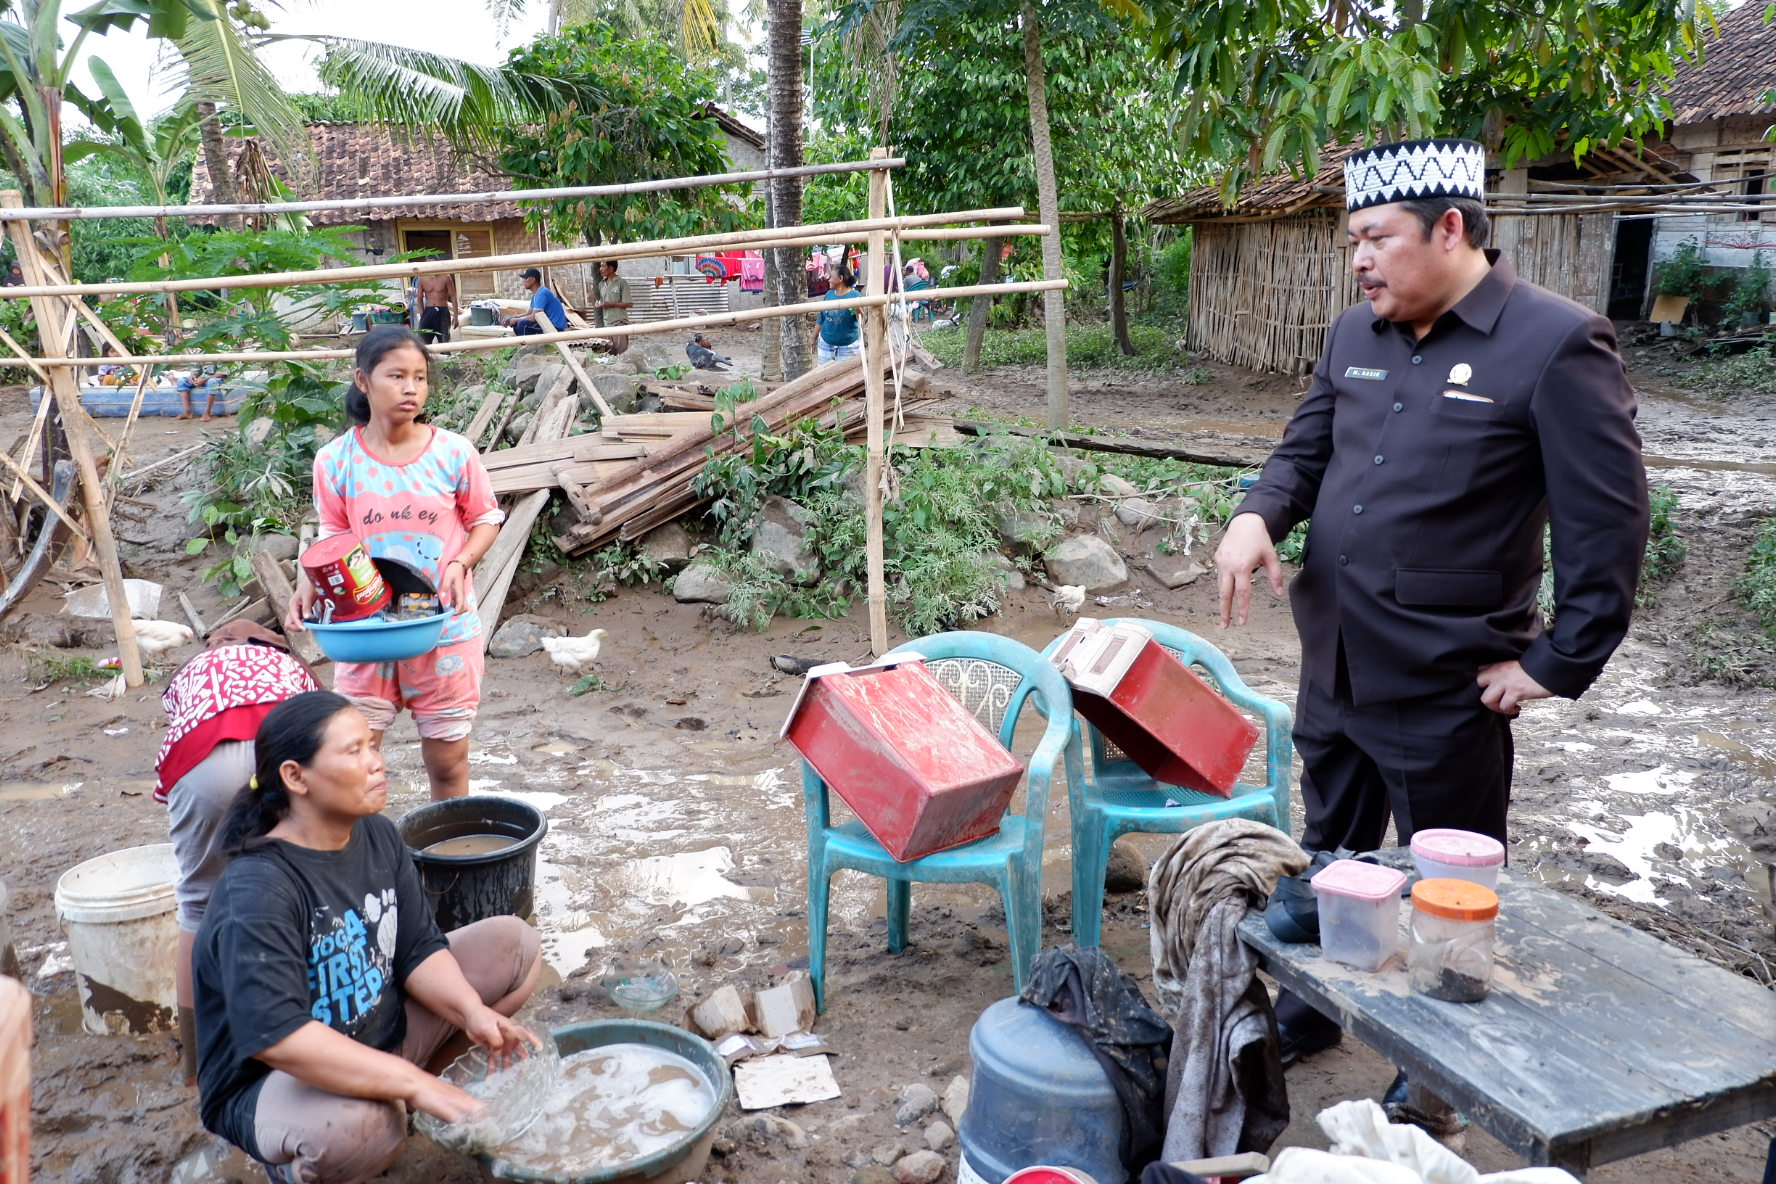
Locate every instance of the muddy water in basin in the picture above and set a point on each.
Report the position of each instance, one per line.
(614, 1104)
(471, 845)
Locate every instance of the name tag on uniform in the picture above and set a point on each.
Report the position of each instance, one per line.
(1364, 372)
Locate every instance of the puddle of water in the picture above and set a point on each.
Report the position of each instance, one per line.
(482, 756)
(1689, 830)
(1661, 781)
(37, 791)
(1758, 761)
(1640, 707)
(687, 879)
(554, 748)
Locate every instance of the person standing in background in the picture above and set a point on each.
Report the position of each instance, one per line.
(613, 303)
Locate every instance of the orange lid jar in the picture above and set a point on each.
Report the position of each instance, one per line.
(1454, 929)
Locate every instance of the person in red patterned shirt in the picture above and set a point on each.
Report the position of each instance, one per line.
(214, 704)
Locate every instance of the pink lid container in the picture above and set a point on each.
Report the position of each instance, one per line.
(1458, 848)
(1359, 881)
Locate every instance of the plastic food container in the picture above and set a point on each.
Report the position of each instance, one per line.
(1359, 912)
(512, 1091)
(1454, 926)
(1458, 855)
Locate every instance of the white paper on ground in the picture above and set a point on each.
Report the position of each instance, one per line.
(780, 1080)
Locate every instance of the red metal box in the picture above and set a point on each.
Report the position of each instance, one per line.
(921, 772)
(1169, 721)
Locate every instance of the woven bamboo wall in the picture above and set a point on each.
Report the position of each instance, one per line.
(1264, 294)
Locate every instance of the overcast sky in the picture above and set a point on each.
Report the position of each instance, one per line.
(460, 28)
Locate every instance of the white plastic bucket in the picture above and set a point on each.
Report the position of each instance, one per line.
(123, 934)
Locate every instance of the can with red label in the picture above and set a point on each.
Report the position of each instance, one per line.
(342, 572)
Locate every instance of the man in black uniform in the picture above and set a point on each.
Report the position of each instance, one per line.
(1448, 419)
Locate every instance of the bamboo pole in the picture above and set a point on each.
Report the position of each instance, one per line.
(634, 329)
(688, 245)
(875, 328)
(69, 213)
(75, 422)
(41, 494)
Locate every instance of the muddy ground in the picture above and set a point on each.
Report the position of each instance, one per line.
(676, 820)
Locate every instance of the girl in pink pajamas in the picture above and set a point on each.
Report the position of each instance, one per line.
(415, 493)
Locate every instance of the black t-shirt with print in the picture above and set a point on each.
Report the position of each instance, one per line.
(293, 934)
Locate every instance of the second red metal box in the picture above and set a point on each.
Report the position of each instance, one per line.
(1169, 721)
(920, 771)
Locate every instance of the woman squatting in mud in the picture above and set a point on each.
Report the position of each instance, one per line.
(323, 984)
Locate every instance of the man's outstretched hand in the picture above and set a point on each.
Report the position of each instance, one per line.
(1245, 547)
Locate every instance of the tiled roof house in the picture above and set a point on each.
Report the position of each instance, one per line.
(352, 160)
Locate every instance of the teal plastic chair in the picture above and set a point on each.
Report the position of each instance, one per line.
(1117, 797)
(995, 678)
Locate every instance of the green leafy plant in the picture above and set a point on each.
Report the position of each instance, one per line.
(1684, 274)
(1757, 587)
(1089, 347)
(50, 668)
(1752, 372)
(1750, 295)
(671, 373)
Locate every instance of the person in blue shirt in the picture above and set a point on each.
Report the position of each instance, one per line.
(838, 327)
(546, 314)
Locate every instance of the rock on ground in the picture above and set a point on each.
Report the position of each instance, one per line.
(619, 390)
(281, 547)
(668, 545)
(701, 583)
(1087, 561)
(939, 1135)
(921, 1167)
(1116, 486)
(782, 539)
(1127, 871)
(520, 636)
(1137, 512)
(916, 1101)
(1175, 574)
(955, 1099)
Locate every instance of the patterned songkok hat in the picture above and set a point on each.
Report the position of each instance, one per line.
(1412, 169)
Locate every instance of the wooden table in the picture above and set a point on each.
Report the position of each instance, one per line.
(1597, 1041)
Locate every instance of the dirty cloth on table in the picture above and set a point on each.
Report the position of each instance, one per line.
(1085, 989)
(1224, 1085)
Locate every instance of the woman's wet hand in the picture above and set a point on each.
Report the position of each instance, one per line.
(446, 1102)
(499, 1034)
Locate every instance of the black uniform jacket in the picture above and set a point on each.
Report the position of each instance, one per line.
(1428, 471)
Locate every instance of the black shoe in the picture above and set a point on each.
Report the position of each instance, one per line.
(1297, 1043)
(1396, 1093)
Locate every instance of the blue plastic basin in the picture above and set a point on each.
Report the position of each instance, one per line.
(377, 640)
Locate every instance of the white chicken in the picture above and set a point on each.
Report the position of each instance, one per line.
(574, 654)
(1068, 598)
(155, 638)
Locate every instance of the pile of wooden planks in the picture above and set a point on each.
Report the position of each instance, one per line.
(637, 471)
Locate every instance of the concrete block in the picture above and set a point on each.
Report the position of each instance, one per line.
(723, 1012)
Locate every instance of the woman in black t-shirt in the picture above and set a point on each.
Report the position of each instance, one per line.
(323, 984)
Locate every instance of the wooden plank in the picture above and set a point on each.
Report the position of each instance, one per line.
(1113, 444)
(672, 421)
(586, 385)
(1570, 1059)
(484, 414)
(586, 446)
(276, 586)
(491, 587)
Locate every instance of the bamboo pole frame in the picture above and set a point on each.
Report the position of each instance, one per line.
(824, 232)
(875, 330)
(634, 329)
(480, 197)
(65, 389)
(60, 373)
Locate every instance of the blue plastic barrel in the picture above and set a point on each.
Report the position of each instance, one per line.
(1038, 1096)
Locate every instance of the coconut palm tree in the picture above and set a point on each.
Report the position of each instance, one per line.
(784, 151)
